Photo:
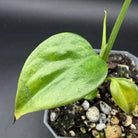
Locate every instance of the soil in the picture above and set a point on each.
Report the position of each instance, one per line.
(71, 120)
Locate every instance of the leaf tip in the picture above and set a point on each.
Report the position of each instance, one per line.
(105, 12)
(14, 120)
(16, 117)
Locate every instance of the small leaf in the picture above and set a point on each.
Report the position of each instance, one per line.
(104, 31)
(61, 70)
(91, 95)
(124, 93)
(103, 46)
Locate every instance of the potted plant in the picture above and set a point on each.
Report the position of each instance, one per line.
(64, 69)
(61, 126)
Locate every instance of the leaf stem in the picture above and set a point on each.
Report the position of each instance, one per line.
(115, 30)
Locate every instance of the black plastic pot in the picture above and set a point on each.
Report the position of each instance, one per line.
(134, 58)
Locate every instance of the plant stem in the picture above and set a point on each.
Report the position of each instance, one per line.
(115, 30)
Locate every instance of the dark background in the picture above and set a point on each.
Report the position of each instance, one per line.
(26, 23)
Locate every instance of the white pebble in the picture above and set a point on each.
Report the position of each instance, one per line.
(53, 116)
(133, 62)
(85, 105)
(102, 118)
(114, 112)
(100, 126)
(133, 127)
(128, 121)
(83, 117)
(72, 133)
(93, 114)
(123, 66)
(105, 108)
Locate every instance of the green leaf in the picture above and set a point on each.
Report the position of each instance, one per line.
(91, 95)
(124, 93)
(103, 46)
(104, 33)
(62, 69)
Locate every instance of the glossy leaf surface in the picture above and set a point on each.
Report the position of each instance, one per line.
(124, 93)
(62, 69)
